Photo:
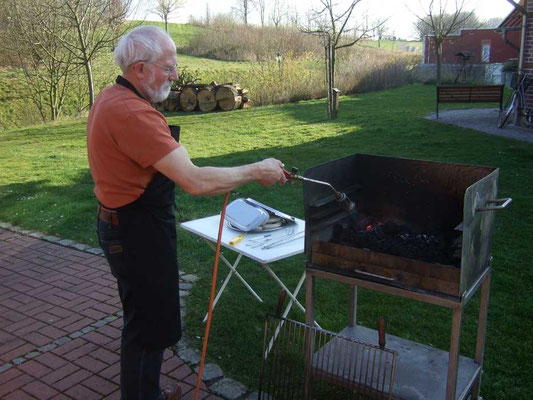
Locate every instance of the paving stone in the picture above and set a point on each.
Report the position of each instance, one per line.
(37, 235)
(228, 389)
(190, 355)
(47, 347)
(25, 231)
(94, 250)
(75, 335)
(19, 360)
(189, 278)
(62, 340)
(211, 373)
(52, 239)
(80, 246)
(16, 229)
(66, 242)
(61, 373)
(33, 354)
(5, 367)
(99, 324)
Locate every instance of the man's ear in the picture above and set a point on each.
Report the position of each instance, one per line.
(139, 69)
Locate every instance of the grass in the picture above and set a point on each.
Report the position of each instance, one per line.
(397, 45)
(46, 186)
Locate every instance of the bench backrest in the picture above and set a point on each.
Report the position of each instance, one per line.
(470, 94)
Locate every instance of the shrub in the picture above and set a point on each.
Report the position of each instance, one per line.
(225, 39)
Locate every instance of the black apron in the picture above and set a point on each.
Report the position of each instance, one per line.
(148, 234)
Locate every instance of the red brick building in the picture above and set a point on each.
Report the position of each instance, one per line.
(483, 50)
(526, 56)
(485, 46)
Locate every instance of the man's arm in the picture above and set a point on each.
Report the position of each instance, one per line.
(206, 181)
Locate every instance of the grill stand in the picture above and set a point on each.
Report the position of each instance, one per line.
(463, 374)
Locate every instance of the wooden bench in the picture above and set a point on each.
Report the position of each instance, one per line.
(469, 94)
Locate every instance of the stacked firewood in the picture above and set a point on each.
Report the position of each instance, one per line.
(206, 97)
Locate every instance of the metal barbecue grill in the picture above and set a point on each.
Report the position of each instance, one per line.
(447, 202)
(420, 230)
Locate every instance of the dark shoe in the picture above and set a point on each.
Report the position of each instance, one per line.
(171, 392)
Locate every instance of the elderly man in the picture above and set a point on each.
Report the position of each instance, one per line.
(135, 160)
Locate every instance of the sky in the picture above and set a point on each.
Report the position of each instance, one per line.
(399, 12)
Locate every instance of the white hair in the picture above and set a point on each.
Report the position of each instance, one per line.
(143, 43)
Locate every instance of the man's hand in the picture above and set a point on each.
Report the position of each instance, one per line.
(271, 171)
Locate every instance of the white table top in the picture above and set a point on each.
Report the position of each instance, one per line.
(252, 246)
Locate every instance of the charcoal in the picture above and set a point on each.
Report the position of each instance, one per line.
(400, 240)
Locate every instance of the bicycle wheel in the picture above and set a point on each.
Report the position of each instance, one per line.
(510, 105)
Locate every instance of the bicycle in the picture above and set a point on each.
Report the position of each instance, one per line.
(516, 101)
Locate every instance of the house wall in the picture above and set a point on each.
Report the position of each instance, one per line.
(473, 41)
(528, 54)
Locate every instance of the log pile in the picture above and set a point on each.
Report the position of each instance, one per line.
(206, 97)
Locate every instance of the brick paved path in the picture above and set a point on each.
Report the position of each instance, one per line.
(60, 320)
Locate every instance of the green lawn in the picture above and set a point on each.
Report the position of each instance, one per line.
(45, 185)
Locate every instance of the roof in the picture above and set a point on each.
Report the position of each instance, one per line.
(514, 19)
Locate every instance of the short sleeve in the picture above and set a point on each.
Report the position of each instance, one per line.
(144, 136)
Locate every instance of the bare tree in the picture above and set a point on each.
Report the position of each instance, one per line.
(95, 26)
(242, 9)
(260, 6)
(380, 30)
(441, 24)
(470, 20)
(165, 8)
(278, 12)
(33, 39)
(332, 27)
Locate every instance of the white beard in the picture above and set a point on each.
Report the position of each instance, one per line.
(156, 96)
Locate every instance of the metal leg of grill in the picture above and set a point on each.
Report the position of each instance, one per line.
(309, 319)
(453, 363)
(353, 306)
(481, 331)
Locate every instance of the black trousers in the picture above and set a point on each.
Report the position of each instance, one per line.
(140, 365)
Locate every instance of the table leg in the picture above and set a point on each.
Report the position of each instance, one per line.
(285, 313)
(280, 283)
(233, 269)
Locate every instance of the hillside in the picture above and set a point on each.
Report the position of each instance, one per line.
(243, 57)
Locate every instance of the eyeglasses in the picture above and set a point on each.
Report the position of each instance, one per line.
(168, 70)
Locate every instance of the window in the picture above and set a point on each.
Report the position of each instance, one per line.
(485, 52)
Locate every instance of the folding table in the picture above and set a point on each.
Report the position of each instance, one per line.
(263, 247)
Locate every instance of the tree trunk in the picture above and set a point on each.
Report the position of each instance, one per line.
(206, 99)
(438, 59)
(328, 82)
(90, 82)
(228, 97)
(333, 111)
(166, 23)
(188, 99)
(172, 103)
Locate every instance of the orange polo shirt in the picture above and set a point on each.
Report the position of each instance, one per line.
(125, 137)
